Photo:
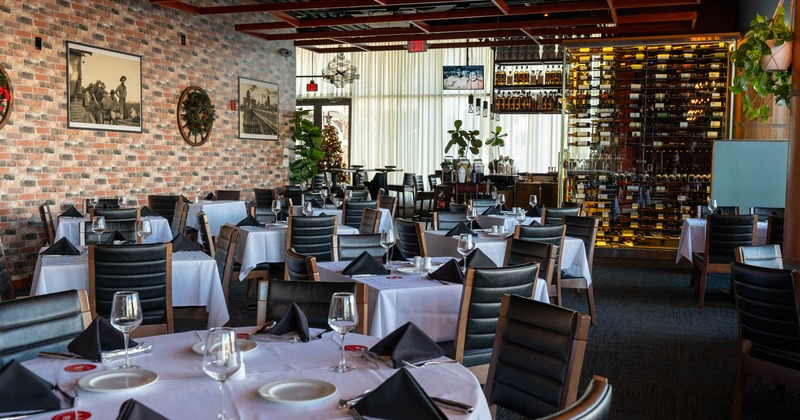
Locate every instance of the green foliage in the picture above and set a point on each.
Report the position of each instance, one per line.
(464, 139)
(199, 113)
(307, 151)
(751, 78)
(496, 137)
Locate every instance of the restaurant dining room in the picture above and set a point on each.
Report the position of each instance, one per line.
(405, 209)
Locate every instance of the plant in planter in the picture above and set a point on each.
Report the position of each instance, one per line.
(496, 137)
(307, 148)
(463, 139)
(766, 41)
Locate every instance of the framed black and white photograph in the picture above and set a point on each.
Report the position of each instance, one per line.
(462, 77)
(104, 89)
(258, 109)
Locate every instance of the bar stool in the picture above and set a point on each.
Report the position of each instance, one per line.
(409, 180)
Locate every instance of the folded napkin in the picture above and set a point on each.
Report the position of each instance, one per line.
(292, 320)
(62, 247)
(22, 390)
(317, 202)
(134, 410)
(71, 212)
(535, 212)
(364, 264)
(249, 221)
(408, 343)
(115, 236)
(148, 212)
(322, 214)
(449, 272)
(477, 258)
(491, 210)
(99, 336)
(397, 254)
(459, 229)
(399, 397)
(182, 243)
(534, 223)
(211, 196)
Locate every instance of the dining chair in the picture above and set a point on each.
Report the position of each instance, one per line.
(298, 267)
(410, 239)
(146, 269)
(361, 195)
(225, 255)
(232, 195)
(594, 404)
(479, 310)
(768, 315)
(206, 238)
(723, 234)
(424, 201)
(764, 212)
(370, 221)
(311, 235)
(456, 207)
(7, 291)
(47, 220)
(407, 187)
(433, 181)
(702, 210)
(539, 345)
(41, 323)
(293, 192)
(352, 210)
(446, 220)
(552, 215)
(123, 221)
(520, 251)
(349, 247)
(760, 255)
(482, 204)
(319, 181)
(775, 225)
(313, 298)
(262, 207)
(180, 213)
(585, 229)
(164, 205)
(389, 203)
(551, 235)
(102, 203)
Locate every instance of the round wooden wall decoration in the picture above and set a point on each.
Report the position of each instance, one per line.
(195, 115)
(6, 97)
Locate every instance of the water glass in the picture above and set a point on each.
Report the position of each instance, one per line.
(387, 241)
(276, 208)
(337, 201)
(324, 194)
(221, 359)
(533, 200)
(126, 315)
(501, 201)
(144, 229)
(465, 246)
(99, 226)
(519, 216)
(122, 201)
(94, 201)
(343, 317)
(712, 206)
(472, 215)
(307, 209)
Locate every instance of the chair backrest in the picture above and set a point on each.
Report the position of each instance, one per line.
(360, 195)
(761, 255)
(541, 346)
(410, 238)
(311, 236)
(456, 207)
(775, 229)
(180, 212)
(41, 323)
(164, 205)
(433, 181)
(370, 221)
(552, 216)
(553, 234)
(145, 268)
(594, 404)
(352, 210)
(264, 197)
(205, 235)
(446, 220)
(480, 308)
(419, 183)
(520, 251)
(702, 210)
(294, 192)
(388, 202)
(7, 291)
(49, 226)
(482, 204)
(585, 229)
(764, 212)
(224, 254)
(348, 247)
(409, 179)
(300, 267)
(726, 232)
(233, 195)
(121, 220)
(318, 182)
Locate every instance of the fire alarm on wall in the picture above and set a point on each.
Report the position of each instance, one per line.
(234, 105)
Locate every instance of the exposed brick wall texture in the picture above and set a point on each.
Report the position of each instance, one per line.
(41, 161)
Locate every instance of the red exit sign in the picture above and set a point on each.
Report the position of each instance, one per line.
(417, 45)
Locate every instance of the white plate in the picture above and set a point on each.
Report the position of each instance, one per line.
(117, 380)
(297, 391)
(499, 233)
(244, 345)
(414, 270)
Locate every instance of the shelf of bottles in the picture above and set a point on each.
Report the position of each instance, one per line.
(528, 80)
(641, 122)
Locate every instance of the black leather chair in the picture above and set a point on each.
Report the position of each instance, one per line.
(585, 229)
(232, 195)
(300, 267)
(761, 255)
(520, 251)
(389, 203)
(480, 307)
(224, 254)
(262, 210)
(360, 195)
(311, 236)
(459, 208)
(775, 229)
(594, 404)
(164, 205)
(550, 235)
(180, 213)
(370, 221)
(541, 346)
(348, 247)
(47, 220)
(446, 220)
(41, 323)
(7, 291)
(319, 181)
(482, 204)
(206, 239)
(768, 309)
(352, 210)
(552, 216)
(407, 187)
(293, 192)
(146, 269)
(764, 212)
(702, 210)
(410, 239)
(120, 220)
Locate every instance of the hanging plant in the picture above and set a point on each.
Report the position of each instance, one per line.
(6, 97)
(196, 115)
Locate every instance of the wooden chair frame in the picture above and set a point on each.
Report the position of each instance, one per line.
(554, 285)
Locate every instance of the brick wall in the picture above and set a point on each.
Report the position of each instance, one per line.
(43, 161)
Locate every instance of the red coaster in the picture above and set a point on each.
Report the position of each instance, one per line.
(243, 336)
(353, 347)
(73, 415)
(83, 367)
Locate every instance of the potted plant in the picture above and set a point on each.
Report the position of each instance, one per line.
(307, 151)
(766, 42)
(464, 140)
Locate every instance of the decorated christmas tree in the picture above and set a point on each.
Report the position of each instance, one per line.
(331, 146)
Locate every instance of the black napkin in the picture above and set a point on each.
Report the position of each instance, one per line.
(116, 236)
(23, 390)
(62, 247)
(322, 214)
(147, 212)
(182, 243)
(491, 210)
(364, 264)
(99, 336)
(535, 212)
(71, 212)
(534, 223)
(717, 211)
(449, 272)
(477, 258)
(211, 197)
(399, 397)
(459, 229)
(249, 221)
(397, 254)
(292, 320)
(317, 202)
(134, 410)
(407, 343)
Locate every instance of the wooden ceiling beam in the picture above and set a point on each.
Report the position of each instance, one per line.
(177, 5)
(612, 10)
(637, 4)
(657, 17)
(405, 38)
(288, 19)
(503, 6)
(334, 34)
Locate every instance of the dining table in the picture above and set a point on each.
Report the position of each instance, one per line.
(693, 237)
(218, 212)
(279, 379)
(195, 280)
(69, 227)
(506, 219)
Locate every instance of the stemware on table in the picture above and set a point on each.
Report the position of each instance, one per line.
(307, 209)
(472, 214)
(387, 242)
(519, 216)
(221, 359)
(276, 208)
(712, 206)
(501, 201)
(126, 315)
(465, 246)
(122, 201)
(533, 200)
(343, 317)
(144, 229)
(99, 226)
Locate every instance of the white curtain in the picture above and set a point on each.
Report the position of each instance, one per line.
(401, 114)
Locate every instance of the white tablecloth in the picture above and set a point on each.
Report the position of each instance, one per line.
(69, 227)
(400, 298)
(386, 217)
(693, 237)
(507, 221)
(195, 281)
(267, 244)
(184, 391)
(218, 212)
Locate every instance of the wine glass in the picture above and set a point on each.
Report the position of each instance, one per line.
(126, 315)
(712, 206)
(276, 208)
(387, 241)
(465, 246)
(197, 195)
(324, 194)
(337, 201)
(533, 200)
(472, 214)
(144, 230)
(520, 216)
(94, 201)
(221, 359)
(307, 209)
(122, 201)
(343, 317)
(99, 226)
(501, 201)
(348, 195)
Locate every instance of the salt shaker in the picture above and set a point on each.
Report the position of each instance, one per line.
(417, 262)
(426, 263)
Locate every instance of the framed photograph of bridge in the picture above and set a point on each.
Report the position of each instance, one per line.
(258, 109)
